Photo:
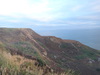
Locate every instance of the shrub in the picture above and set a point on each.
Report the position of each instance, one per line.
(41, 62)
(98, 69)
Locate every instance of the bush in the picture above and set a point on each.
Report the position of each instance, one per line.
(98, 69)
(41, 62)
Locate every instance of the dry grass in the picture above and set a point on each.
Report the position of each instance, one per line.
(18, 65)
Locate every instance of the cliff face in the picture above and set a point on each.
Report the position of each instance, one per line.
(54, 52)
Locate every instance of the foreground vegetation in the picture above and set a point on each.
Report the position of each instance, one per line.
(18, 65)
(28, 67)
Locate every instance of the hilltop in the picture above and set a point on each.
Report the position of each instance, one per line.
(26, 49)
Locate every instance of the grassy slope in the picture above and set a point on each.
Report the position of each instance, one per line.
(63, 54)
(19, 65)
(72, 54)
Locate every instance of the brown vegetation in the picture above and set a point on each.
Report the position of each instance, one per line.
(48, 53)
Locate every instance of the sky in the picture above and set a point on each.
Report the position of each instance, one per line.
(65, 14)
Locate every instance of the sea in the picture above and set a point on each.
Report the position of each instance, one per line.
(89, 37)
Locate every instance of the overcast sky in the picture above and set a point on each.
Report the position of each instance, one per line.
(57, 13)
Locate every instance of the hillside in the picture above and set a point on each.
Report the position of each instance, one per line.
(47, 54)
